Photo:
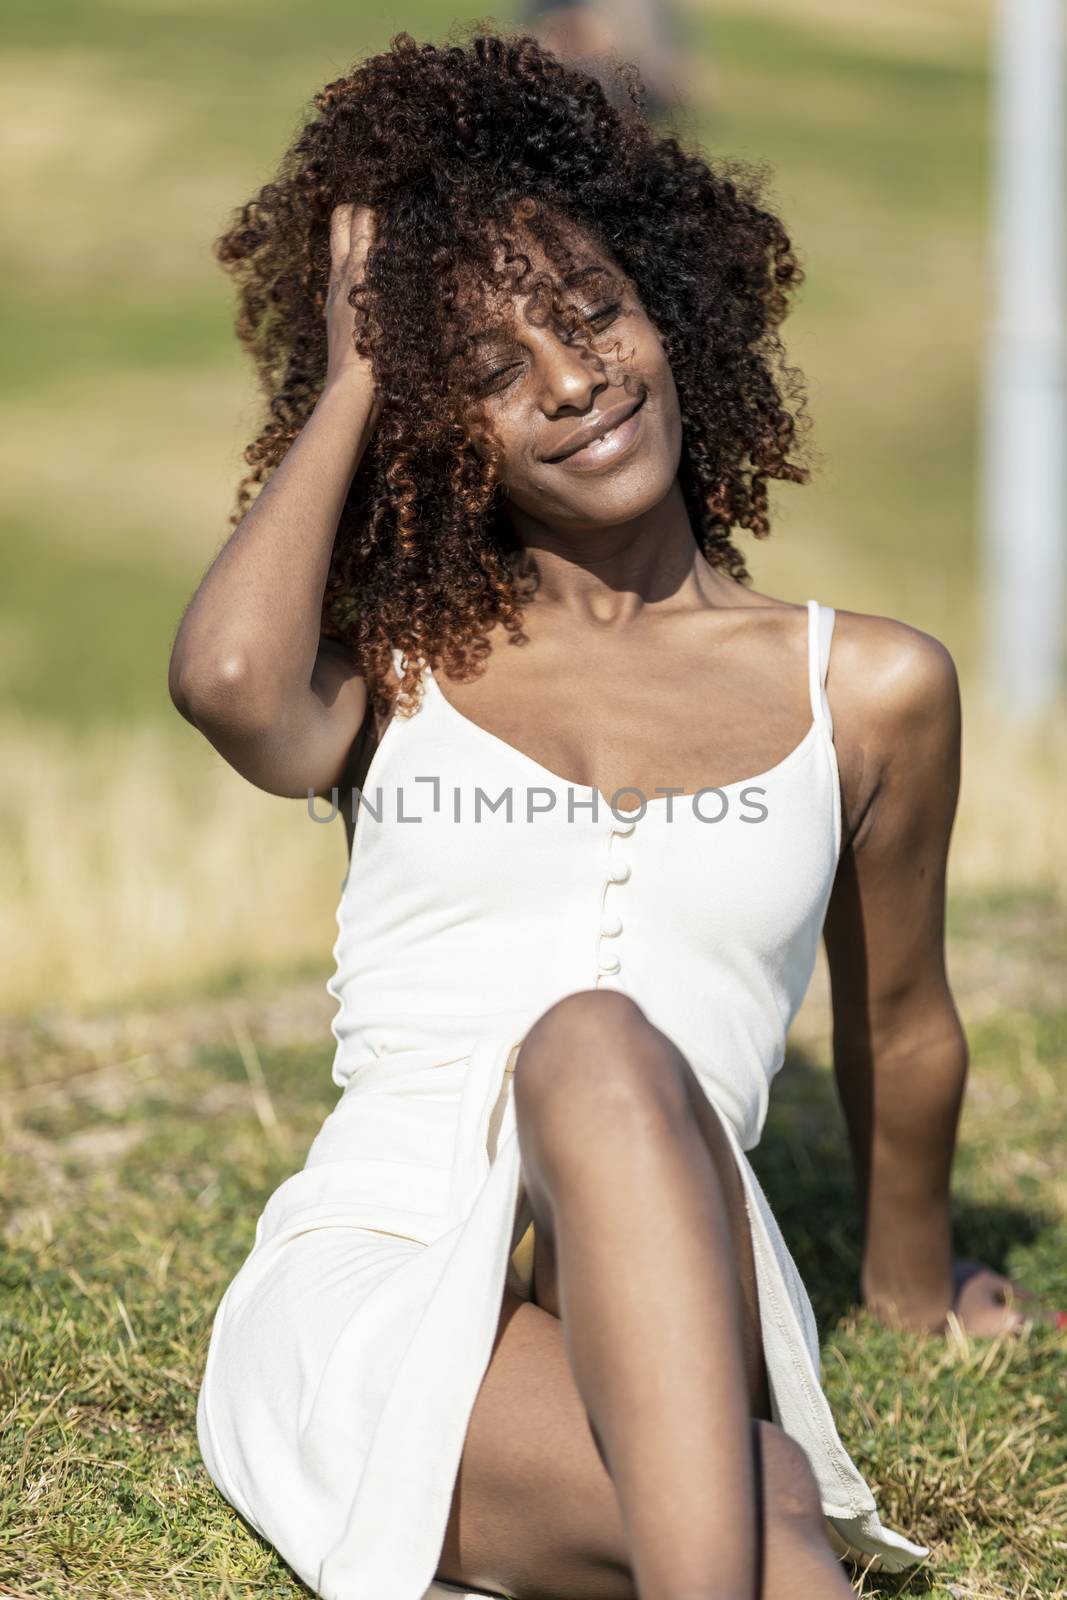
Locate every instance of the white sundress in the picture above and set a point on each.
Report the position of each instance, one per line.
(346, 1354)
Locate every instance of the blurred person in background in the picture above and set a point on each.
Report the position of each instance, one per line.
(595, 35)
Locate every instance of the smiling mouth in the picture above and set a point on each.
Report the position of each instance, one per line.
(594, 433)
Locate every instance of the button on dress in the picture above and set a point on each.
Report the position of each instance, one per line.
(347, 1352)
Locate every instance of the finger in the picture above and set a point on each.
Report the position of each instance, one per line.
(366, 226)
(1033, 1305)
(1038, 1311)
(1000, 1320)
(340, 233)
(1035, 1312)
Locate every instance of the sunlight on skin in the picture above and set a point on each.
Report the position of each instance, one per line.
(988, 1303)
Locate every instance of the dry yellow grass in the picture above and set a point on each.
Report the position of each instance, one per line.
(134, 859)
(137, 861)
(153, 470)
(139, 875)
(126, 200)
(1012, 802)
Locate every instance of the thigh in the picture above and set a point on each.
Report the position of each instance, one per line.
(534, 1512)
(570, 1027)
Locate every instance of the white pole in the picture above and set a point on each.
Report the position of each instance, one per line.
(1025, 505)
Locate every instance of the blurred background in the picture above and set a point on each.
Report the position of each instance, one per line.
(166, 928)
(134, 860)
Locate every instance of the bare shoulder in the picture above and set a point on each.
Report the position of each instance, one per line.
(894, 698)
(893, 679)
(901, 680)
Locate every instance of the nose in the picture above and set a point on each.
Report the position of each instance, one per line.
(573, 377)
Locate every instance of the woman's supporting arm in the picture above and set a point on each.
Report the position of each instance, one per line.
(900, 1052)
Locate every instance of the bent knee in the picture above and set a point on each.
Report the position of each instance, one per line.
(588, 1014)
(601, 1041)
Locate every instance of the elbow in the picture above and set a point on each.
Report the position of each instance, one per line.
(179, 686)
(220, 693)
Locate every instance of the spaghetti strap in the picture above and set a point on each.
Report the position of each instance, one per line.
(346, 1355)
(820, 632)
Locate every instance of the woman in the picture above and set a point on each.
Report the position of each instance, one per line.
(524, 1322)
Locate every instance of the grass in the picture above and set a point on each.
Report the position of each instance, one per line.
(127, 404)
(133, 862)
(142, 1143)
(152, 903)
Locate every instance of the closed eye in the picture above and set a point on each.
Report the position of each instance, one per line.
(493, 376)
(600, 319)
(605, 317)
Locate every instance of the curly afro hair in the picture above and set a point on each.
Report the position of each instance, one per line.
(450, 145)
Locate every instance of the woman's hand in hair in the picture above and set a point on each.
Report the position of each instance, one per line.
(352, 232)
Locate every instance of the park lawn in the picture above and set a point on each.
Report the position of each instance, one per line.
(142, 1144)
(127, 402)
(140, 1140)
(135, 131)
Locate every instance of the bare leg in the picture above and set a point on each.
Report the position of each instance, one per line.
(535, 1514)
(627, 1197)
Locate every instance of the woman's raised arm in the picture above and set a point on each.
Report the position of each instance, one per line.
(249, 667)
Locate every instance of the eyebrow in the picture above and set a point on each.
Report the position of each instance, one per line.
(571, 281)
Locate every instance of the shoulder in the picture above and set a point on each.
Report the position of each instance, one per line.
(894, 697)
(902, 680)
(895, 677)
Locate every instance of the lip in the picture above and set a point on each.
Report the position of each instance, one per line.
(602, 439)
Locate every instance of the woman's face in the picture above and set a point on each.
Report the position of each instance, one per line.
(543, 395)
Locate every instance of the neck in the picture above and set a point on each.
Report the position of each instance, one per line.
(608, 575)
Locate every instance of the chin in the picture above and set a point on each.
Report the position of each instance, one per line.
(630, 501)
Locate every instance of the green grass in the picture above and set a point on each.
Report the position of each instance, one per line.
(113, 623)
(134, 1163)
(137, 1164)
(142, 126)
